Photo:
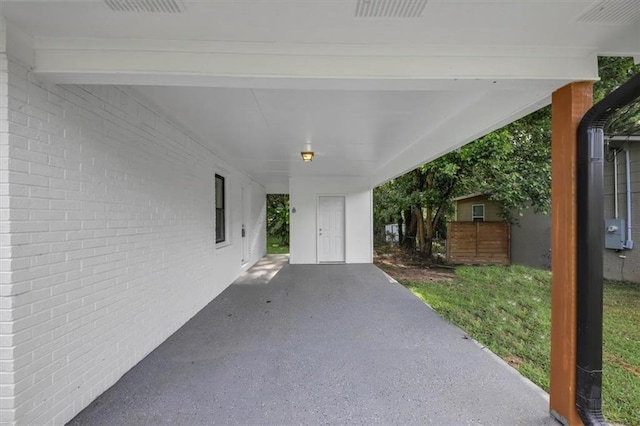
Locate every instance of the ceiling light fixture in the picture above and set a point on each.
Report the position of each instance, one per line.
(307, 156)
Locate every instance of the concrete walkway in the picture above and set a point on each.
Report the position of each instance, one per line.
(319, 344)
(264, 270)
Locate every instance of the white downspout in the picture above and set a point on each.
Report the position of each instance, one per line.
(615, 183)
(629, 243)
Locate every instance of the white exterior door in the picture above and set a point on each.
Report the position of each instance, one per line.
(331, 229)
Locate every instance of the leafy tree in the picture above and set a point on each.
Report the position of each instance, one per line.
(519, 175)
(615, 71)
(421, 198)
(278, 217)
(511, 165)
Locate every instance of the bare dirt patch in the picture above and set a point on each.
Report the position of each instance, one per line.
(616, 360)
(404, 266)
(514, 360)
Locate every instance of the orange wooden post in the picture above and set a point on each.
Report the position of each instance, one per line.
(569, 104)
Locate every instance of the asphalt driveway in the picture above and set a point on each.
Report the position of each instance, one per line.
(319, 344)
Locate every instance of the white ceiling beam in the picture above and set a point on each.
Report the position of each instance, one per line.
(246, 68)
(16, 43)
(3, 32)
(341, 49)
(298, 83)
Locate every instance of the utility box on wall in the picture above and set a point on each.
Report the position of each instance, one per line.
(614, 234)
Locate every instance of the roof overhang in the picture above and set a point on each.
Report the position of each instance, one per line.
(466, 197)
(261, 81)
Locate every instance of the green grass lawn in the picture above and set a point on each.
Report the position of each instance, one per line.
(508, 309)
(275, 247)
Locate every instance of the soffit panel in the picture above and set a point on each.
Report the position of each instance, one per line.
(519, 23)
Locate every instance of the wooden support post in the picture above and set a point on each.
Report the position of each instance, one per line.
(569, 104)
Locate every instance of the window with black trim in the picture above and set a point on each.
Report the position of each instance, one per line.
(477, 212)
(220, 210)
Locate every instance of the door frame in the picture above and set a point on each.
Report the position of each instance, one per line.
(344, 227)
(245, 204)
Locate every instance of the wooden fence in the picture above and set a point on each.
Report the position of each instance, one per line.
(485, 243)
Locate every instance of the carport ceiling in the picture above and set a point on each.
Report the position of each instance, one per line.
(374, 87)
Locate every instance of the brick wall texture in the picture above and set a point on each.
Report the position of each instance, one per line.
(107, 236)
(623, 265)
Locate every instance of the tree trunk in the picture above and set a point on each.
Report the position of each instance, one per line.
(411, 230)
(432, 225)
(400, 231)
(428, 251)
(420, 237)
(428, 247)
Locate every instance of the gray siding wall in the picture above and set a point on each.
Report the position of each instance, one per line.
(623, 265)
(531, 240)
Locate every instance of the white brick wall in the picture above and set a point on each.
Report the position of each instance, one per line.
(616, 267)
(7, 364)
(107, 239)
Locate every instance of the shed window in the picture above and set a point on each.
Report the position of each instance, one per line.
(220, 210)
(477, 212)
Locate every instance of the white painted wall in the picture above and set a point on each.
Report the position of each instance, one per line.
(304, 193)
(107, 236)
(255, 222)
